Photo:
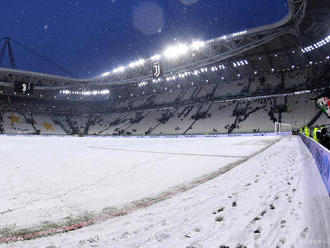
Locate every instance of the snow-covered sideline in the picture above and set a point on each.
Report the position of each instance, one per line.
(273, 199)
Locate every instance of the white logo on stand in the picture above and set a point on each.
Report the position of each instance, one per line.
(156, 70)
(24, 87)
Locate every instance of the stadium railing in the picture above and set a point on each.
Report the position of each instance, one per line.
(321, 156)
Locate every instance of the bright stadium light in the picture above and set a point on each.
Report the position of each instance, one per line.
(156, 57)
(214, 68)
(131, 65)
(144, 83)
(137, 63)
(119, 69)
(240, 63)
(196, 45)
(239, 33)
(175, 51)
(157, 80)
(106, 74)
(86, 92)
(104, 92)
(316, 45)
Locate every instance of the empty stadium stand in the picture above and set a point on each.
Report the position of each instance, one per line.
(212, 117)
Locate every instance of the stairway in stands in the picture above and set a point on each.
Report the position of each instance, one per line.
(197, 113)
(73, 128)
(239, 112)
(315, 118)
(165, 118)
(59, 122)
(91, 119)
(1, 124)
(31, 121)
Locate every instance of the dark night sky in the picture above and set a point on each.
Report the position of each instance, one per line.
(90, 37)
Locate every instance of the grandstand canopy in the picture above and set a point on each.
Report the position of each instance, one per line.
(296, 41)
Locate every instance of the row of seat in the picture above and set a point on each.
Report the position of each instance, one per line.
(221, 117)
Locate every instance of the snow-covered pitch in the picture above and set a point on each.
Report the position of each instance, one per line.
(161, 192)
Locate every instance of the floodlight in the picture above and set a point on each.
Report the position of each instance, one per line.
(196, 45)
(156, 57)
(119, 69)
(106, 74)
(175, 51)
(137, 63)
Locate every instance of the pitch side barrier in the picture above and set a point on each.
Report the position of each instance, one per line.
(156, 136)
(209, 135)
(321, 156)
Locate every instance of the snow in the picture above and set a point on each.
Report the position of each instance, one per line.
(269, 195)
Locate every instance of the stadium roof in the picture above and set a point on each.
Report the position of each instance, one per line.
(296, 40)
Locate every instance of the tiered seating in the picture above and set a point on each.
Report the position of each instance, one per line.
(79, 122)
(230, 88)
(322, 120)
(148, 123)
(199, 118)
(204, 91)
(188, 94)
(101, 122)
(295, 80)
(219, 116)
(1, 124)
(301, 110)
(168, 97)
(257, 121)
(122, 122)
(265, 84)
(63, 120)
(125, 104)
(46, 125)
(140, 101)
(15, 123)
(179, 122)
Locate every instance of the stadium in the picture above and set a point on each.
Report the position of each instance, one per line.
(201, 145)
